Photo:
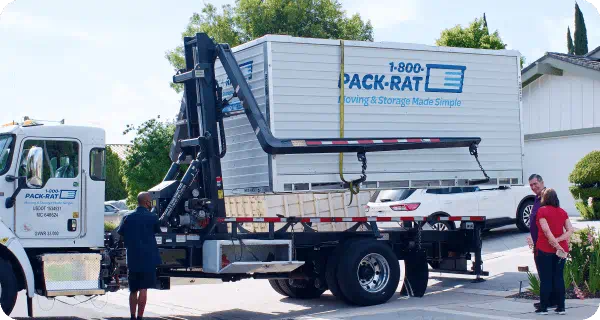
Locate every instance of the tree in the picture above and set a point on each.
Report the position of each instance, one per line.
(476, 36)
(570, 46)
(148, 159)
(251, 19)
(115, 184)
(581, 42)
(485, 21)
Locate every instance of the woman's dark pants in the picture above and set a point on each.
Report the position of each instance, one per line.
(552, 283)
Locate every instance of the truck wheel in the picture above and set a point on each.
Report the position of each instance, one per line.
(8, 287)
(368, 274)
(275, 285)
(417, 275)
(332, 267)
(524, 215)
(300, 289)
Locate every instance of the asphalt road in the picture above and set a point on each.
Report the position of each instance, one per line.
(448, 297)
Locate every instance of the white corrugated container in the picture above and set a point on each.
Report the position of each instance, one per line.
(391, 90)
(298, 205)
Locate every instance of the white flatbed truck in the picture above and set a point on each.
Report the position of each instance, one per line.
(52, 241)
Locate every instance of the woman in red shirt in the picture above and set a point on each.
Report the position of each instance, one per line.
(554, 231)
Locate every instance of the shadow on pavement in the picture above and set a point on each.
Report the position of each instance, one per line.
(325, 303)
(506, 281)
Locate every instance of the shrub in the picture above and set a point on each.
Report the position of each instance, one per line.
(109, 226)
(587, 170)
(587, 211)
(534, 283)
(585, 178)
(582, 268)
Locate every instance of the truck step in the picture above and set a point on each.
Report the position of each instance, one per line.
(71, 274)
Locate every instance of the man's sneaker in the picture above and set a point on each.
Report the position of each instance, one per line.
(541, 312)
(537, 305)
(561, 311)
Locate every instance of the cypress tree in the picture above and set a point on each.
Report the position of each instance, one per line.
(484, 21)
(570, 47)
(581, 43)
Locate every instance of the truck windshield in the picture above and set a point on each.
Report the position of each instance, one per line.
(6, 143)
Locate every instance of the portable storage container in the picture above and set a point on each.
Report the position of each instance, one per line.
(391, 90)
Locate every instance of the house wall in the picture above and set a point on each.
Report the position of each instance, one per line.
(557, 103)
(561, 118)
(555, 158)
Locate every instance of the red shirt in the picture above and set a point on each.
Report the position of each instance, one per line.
(555, 217)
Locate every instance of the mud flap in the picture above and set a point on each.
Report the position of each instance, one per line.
(417, 274)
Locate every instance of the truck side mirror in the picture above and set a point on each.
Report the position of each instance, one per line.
(35, 167)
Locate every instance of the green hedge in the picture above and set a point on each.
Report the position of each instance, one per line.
(587, 170)
(587, 212)
(584, 193)
(586, 180)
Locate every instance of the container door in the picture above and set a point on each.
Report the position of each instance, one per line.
(50, 208)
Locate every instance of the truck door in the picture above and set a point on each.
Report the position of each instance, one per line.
(52, 211)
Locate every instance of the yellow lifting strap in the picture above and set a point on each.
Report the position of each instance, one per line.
(341, 155)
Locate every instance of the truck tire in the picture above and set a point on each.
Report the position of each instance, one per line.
(524, 215)
(417, 275)
(300, 289)
(8, 287)
(368, 274)
(332, 267)
(275, 285)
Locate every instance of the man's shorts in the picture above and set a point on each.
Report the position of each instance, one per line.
(141, 280)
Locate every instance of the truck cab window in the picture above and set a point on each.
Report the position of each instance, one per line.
(98, 164)
(61, 158)
(6, 146)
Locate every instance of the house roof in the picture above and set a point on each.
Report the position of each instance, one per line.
(554, 63)
(593, 52)
(120, 149)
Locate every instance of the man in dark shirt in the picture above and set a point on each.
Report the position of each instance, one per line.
(138, 230)
(536, 183)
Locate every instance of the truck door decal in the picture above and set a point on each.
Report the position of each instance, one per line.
(52, 211)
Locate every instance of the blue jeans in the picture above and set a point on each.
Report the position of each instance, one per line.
(552, 283)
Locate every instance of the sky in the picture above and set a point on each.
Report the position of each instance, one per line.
(102, 63)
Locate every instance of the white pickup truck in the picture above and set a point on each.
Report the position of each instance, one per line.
(501, 205)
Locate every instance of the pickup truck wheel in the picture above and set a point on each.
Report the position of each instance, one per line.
(369, 274)
(524, 215)
(8, 287)
(275, 285)
(300, 289)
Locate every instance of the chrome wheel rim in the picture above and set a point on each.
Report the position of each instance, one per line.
(373, 273)
(439, 226)
(527, 215)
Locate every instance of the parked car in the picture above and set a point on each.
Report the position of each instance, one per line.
(110, 209)
(501, 205)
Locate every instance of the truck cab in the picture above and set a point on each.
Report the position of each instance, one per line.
(51, 201)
